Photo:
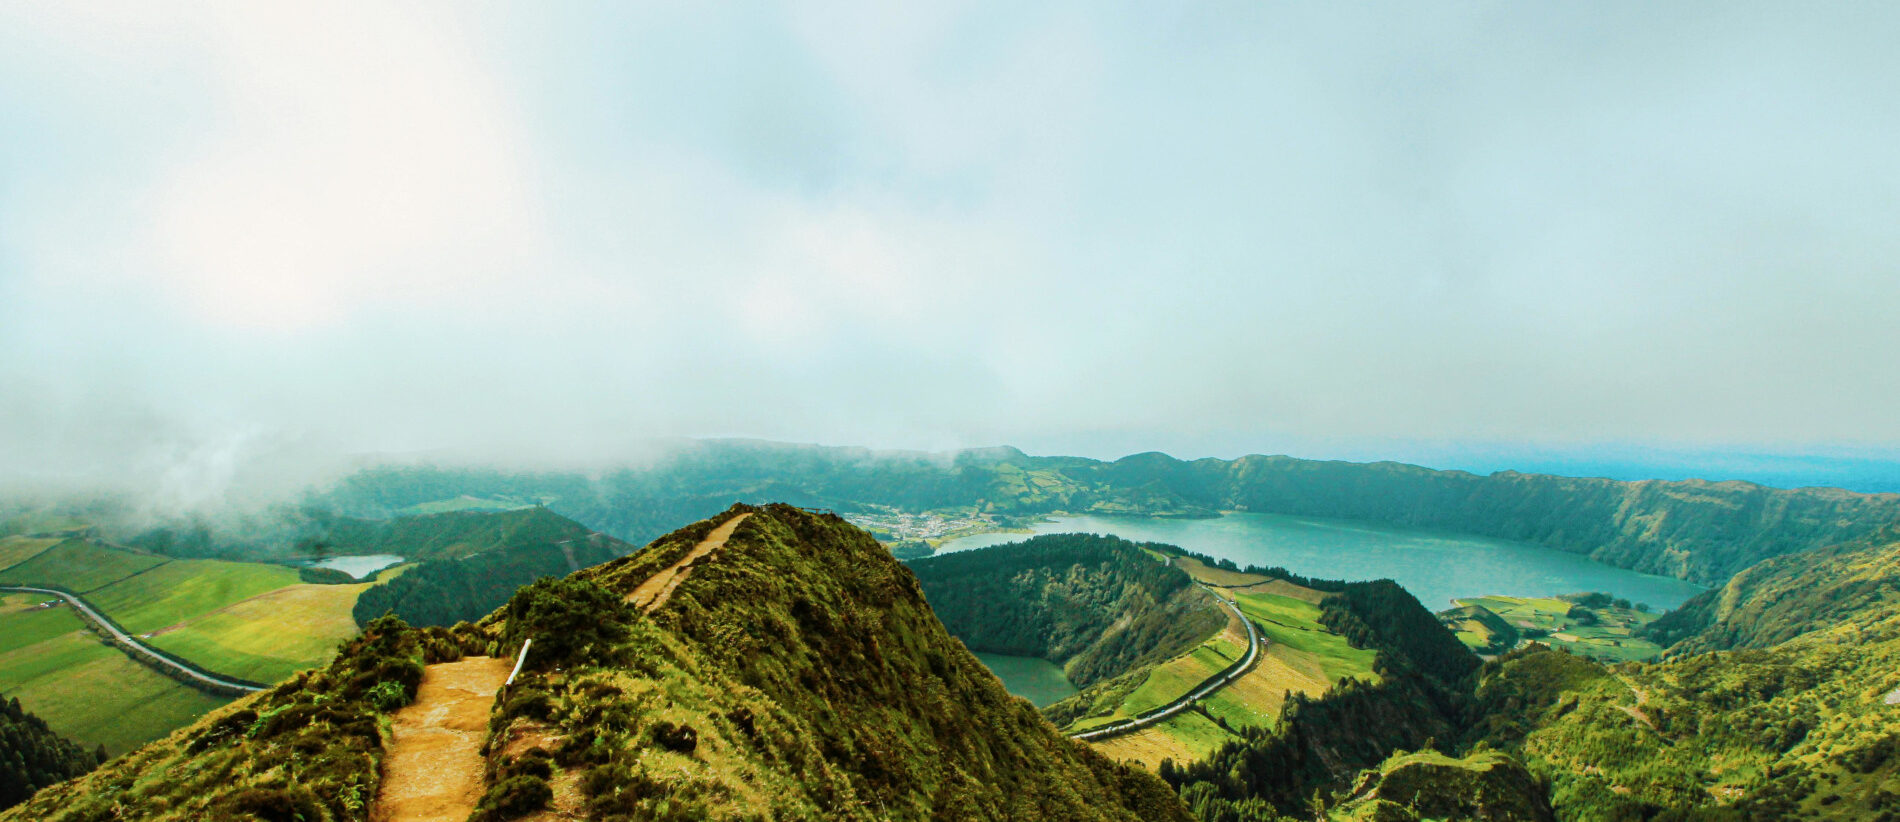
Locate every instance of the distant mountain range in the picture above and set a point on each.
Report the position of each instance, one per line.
(1695, 530)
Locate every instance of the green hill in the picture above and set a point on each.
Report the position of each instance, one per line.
(1786, 597)
(795, 673)
(1696, 530)
(474, 561)
(1098, 606)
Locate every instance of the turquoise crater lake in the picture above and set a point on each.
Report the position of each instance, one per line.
(1435, 566)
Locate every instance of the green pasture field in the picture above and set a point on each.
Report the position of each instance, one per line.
(1172, 679)
(86, 690)
(79, 566)
(1292, 628)
(186, 588)
(15, 550)
(1611, 640)
(269, 637)
(26, 623)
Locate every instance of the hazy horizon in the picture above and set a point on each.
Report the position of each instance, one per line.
(243, 241)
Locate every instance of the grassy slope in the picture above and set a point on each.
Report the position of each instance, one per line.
(181, 589)
(15, 550)
(85, 690)
(1800, 729)
(814, 680)
(1613, 639)
(1786, 597)
(1302, 657)
(271, 636)
(80, 566)
(310, 748)
(815, 616)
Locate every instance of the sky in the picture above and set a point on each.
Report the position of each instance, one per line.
(1467, 234)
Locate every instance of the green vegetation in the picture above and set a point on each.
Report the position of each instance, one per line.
(1802, 729)
(1098, 606)
(17, 549)
(796, 675)
(1408, 787)
(178, 590)
(1480, 628)
(1320, 743)
(82, 688)
(79, 566)
(1694, 530)
(830, 645)
(1784, 598)
(1592, 625)
(32, 756)
(475, 578)
(309, 748)
(1297, 634)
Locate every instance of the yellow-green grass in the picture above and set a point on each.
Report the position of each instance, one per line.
(271, 636)
(79, 566)
(1612, 639)
(1184, 737)
(86, 690)
(1473, 633)
(1292, 628)
(1173, 679)
(26, 623)
(182, 589)
(15, 550)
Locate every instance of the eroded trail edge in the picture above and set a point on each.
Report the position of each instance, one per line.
(654, 592)
(433, 770)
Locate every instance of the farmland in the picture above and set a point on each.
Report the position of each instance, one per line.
(1301, 656)
(1585, 624)
(270, 636)
(79, 565)
(184, 588)
(84, 689)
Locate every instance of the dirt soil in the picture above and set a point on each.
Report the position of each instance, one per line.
(433, 770)
(658, 588)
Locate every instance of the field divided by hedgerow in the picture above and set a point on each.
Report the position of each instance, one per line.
(269, 637)
(15, 550)
(79, 566)
(186, 588)
(86, 690)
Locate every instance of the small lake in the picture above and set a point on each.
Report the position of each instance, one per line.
(1037, 680)
(360, 565)
(1435, 566)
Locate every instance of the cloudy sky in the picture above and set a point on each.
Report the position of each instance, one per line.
(552, 229)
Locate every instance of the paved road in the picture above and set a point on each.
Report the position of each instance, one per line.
(129, 642)
(1213, 683)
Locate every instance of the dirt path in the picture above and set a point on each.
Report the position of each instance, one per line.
(1636, 711)
(433, 771)
(659, 588)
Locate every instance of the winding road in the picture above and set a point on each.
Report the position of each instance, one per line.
(1212, 684)
(131, 644)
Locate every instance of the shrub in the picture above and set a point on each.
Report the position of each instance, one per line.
(324, 576)
(273, 805)
(680, 738)
(570, 620)
(513, 797)
(388, 696)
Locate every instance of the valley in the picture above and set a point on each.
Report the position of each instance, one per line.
(1351, 680)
